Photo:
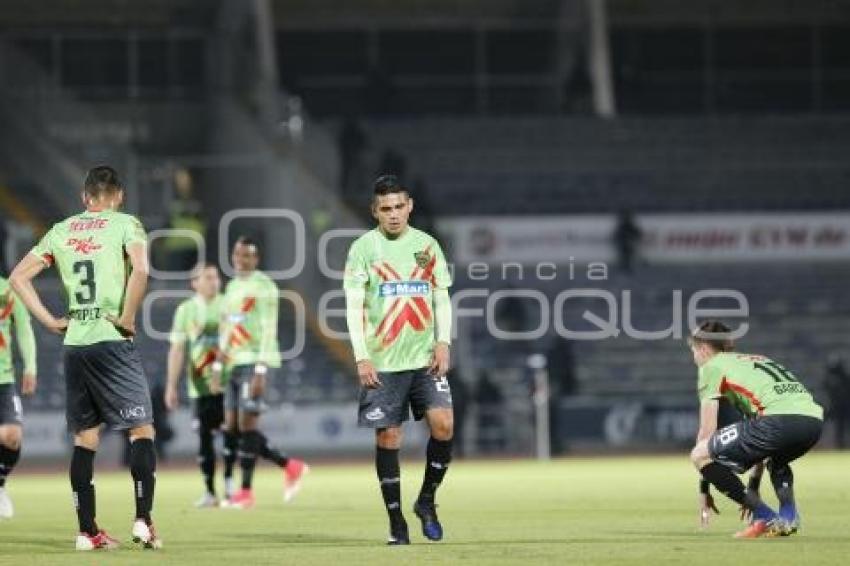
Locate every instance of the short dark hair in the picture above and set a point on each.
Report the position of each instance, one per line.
(247, 241)
(101, 180)
(715, 334)
(387, 184)
(202, 266)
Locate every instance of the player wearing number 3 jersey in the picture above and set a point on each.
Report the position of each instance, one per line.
(399, 317)
(783, 423)
(101, 257)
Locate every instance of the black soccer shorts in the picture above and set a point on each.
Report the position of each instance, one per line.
(237, 392)
(400, 392)
(11, 412)
(782, 438)
(105, 383)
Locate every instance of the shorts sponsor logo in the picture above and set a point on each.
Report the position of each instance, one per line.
(133, 413)
(85, 247)
(375, 414)
(404, 289)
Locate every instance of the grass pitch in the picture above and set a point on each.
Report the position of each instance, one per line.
(576, 511)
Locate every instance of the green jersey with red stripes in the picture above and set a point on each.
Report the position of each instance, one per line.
(756, 385)
(249, 321)
(399, 277)
(89, 250)
(13, 313)
(196, 324)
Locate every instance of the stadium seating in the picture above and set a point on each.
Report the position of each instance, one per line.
(545, 165)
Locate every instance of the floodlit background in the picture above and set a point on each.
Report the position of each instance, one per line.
(645, 152)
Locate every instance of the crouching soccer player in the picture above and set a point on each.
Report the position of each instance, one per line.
(784, 423)
(396, 288)
(12, 313)
(101, 255)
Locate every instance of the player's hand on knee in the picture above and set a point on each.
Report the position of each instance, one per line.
(440, 362)
(367, 374)
(28, 383)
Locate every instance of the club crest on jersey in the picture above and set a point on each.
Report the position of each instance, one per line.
(422, 258)
(404, 289)
(83, 246)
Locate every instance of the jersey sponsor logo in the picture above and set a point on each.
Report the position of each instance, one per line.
(375, 414)
(85, 225)
(83, 246)
(404, 310)
(133, 413)
(404, 289)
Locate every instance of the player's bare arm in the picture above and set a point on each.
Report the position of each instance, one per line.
(21, 281)
(176, 356)
(136, 285)
(707, 427)
(441, 361)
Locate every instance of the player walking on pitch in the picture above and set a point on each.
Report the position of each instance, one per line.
(249, 348)
(784, 423)
(399, 317)
(13, 313)
(195, 329)
(101, 257)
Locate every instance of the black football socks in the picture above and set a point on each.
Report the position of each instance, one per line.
(230, 452)
(81, 474)
(439, 455)
(8, 459)
(271, 453)
(143, 470)
(206, 458)
(732, 487)
(249, 446)
(389, 476)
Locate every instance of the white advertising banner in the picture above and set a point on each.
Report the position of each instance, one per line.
(745, 237)
(666, 238)
(530, 239)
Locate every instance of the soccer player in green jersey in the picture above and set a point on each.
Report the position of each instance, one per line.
(784, 423)
(399, 317)
(249, 350)
(195, 330)
(12, 313)
(101, 256)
